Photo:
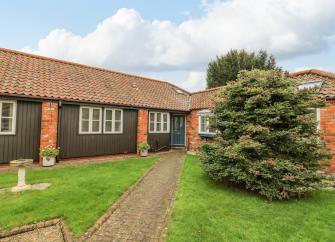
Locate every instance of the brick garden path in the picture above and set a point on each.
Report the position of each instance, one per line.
(142, 215)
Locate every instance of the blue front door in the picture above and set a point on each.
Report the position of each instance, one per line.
(178, 130)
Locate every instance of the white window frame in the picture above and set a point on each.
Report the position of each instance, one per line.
(318, 118)
(205, 114)
(113, 121)
(161, 122)
(90, 120)
(310, 85)
(13, 132)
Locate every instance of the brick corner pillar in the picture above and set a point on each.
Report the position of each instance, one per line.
(327, 126)
(142, 126)
(49, 125)
(192, 134)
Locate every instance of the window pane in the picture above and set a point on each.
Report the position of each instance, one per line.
(118, 115)
(84, 126)
(152, 127)
(109, 114)
(96, 114)
(152, 117)
(117, 126)
(165, 117)
(165, 127)
(152, 122)
(158, 127)
(6, 124)
(108, 126)
(95, 126)
(85, 113)
(202, 124)
(7, 109)
(159, 117)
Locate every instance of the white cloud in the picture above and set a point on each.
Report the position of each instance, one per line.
(126, 41)
(196, 80)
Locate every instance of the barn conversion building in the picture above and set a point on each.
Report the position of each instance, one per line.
(89, 111)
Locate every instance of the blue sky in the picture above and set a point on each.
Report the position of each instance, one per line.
(171, 40)
(25, 22)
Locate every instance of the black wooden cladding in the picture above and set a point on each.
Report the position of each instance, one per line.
(159, 141)
(73, 144)
(25, 143)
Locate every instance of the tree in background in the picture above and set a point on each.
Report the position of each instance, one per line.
(227, 67)
(267, 138)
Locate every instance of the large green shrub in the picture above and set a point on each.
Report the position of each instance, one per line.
(267, 138)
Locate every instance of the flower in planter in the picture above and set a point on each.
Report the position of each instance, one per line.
(143, 146)
(49, 152)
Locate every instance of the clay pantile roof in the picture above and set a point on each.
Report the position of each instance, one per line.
(28, 75)
(204, 99)
(328, 87)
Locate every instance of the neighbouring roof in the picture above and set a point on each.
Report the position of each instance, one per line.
(327, 89)
(28, 75)
(204, 99)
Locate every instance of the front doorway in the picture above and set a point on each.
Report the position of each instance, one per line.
(178, 130)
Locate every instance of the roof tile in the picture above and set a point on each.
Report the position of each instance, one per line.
(328, 87)
(35, 76)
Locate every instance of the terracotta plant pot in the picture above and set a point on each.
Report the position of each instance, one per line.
(48, 161)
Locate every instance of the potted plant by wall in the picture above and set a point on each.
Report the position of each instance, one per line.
(143, 148)
(49, 156)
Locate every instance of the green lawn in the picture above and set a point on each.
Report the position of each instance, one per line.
(80, 194)
(205, 211)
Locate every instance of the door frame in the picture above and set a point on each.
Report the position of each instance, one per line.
(172, 116)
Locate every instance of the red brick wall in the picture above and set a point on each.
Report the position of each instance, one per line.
(49, 124)
(192, 131)
(327, 125)
(142, 126)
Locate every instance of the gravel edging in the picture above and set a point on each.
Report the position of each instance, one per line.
(31, 227)
(111, 210)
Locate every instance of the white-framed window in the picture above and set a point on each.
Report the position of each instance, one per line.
(113, 121)
(206, 122)
(311, 85)
(159, 122)
(90, 120)
(317, 117)
(7, 117)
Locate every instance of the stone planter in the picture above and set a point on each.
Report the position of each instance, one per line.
(143, 153)
(48, 161)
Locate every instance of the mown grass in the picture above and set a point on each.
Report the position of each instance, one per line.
(206, 211)
(79, 194)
